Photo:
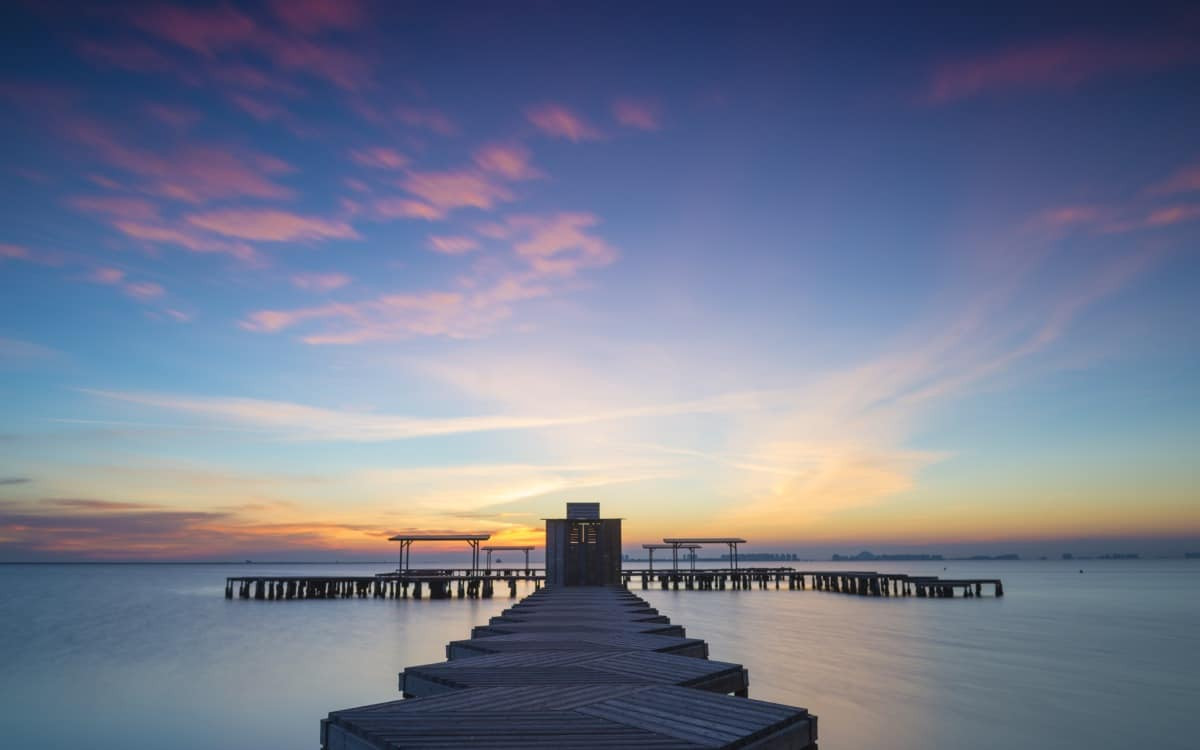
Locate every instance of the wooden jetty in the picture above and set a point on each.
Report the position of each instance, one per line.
(575, 665)
(862, 583)
(438, 584)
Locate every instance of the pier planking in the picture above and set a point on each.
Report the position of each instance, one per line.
(572, 667)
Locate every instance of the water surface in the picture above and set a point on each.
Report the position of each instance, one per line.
(150, 656)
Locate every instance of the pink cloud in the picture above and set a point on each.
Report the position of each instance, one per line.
(144, 290)
(13, 252)
(638, 113)
(40, 257)
(190, 240)
(428, 119)
(340, 67)
(449, 190)
(194, 174)
(1164, 217)
(452, 245)
(356, 185)
(270, 225)
(202, 30)
(177, 315)
(314, 16)
(558, 121)
(559, 244)
(551, 248)
(1185, 180)
(405, 208)
(215, 31)
(393, 316)
(139, 290)
(121, 207)
(508, 160)
(379, 158)
(104, 182)
(320, 282)
(1057, 63)
(107, 276)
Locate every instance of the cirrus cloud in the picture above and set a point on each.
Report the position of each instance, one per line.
(271, 225)
(557, 121)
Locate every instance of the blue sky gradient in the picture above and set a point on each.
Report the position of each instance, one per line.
(281, 278)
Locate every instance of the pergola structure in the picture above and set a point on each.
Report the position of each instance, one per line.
(651, 547)
(495, 548)
(733, 542)
(406, 541)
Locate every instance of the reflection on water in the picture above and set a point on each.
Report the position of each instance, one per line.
(154, 656)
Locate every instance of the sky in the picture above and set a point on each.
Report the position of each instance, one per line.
(281, 279)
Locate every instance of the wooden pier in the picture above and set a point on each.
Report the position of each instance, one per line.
(437, 584)
(574, 667)
(466, 583)
(861, 583)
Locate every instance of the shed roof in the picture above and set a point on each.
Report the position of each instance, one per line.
(706, 540)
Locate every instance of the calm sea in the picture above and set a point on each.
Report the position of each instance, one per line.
(153, 656)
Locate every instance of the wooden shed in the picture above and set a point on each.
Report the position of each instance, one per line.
(583, 549)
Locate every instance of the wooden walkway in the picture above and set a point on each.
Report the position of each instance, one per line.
(574, 667)
(438, 584)
(860, 582)
(445, 584)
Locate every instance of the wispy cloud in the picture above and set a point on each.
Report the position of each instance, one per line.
(406, 208)
(140, 290)
(270, 225)
(302, 422)
(449, 190)
(187, 238)
(315, 16)
(192, 174)
(320, 282)
(379, 157)
(452, 244)
(14, 252)
(214, 33)
(640, 114)
(557, 121)
(560, 244)
(1185, 180)
(15, 352)
(548, 248)
(508, 160)
(1056, 64)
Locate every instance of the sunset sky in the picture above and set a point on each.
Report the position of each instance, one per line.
(280, 279)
